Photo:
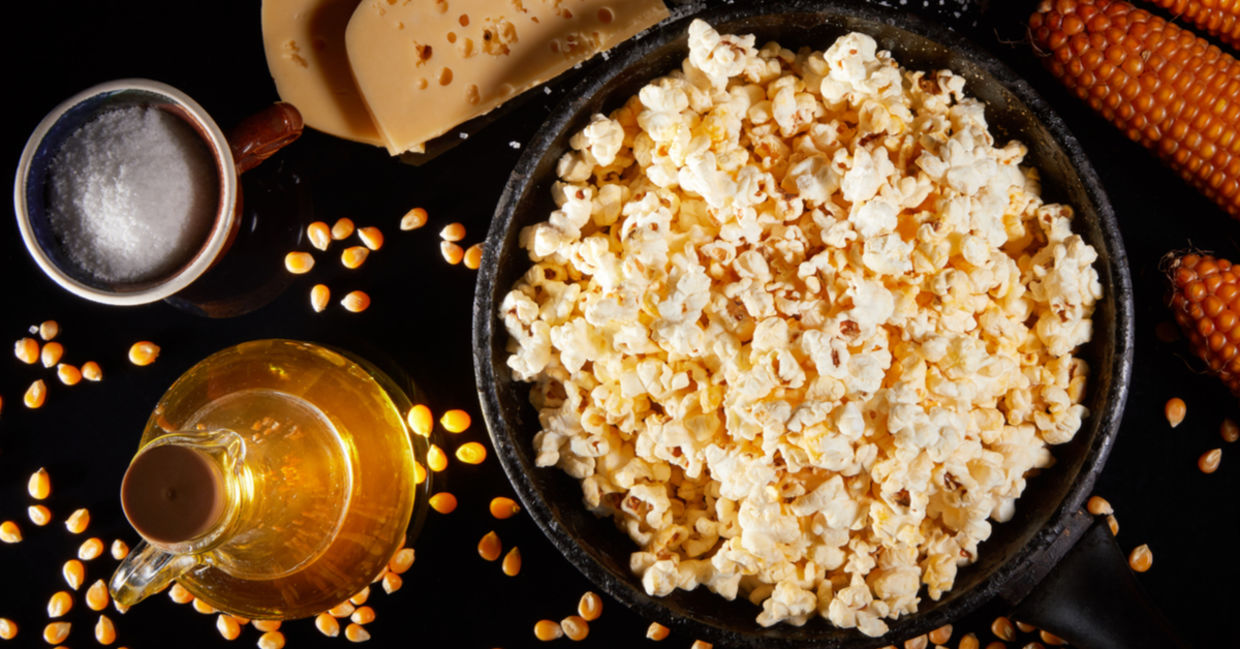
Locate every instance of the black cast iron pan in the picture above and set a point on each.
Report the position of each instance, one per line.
(1048, 520)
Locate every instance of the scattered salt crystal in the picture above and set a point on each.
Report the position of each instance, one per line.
(133, 194)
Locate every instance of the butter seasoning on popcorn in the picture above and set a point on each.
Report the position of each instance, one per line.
(801, 327)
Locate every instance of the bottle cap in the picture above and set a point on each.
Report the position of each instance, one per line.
(172, 494)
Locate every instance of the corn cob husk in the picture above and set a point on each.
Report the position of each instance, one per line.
(1163, 86)
(1219, 18)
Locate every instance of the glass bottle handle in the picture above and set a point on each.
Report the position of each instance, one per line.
(146, 571)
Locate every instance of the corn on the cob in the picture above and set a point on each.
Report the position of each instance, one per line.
(1219, 18)
(1163, 86)
(1205, 296)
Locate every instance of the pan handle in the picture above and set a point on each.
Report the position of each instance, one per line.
(1091, 599)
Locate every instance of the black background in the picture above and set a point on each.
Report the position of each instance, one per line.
(420, 322)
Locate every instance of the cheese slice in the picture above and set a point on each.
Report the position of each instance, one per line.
(425, 66)
(304, 43)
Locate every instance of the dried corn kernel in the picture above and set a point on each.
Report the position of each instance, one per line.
(1113, 523)
(39, 486)
(229, 628)
(143, 353)
(343, 609)
(97, 595)
(443, 502)
(421, 420)
(548, 630)
(489, 546)
(471, 453)
(179, 594)
(353, 256)
(39, 515)
(363, 615)
(1175, 410)
(590, 606)
(436, 459)
(452, 232)
(91, 371)
(8, 629)
(10, 532)
(969, 641)
(78, 521)
(502, 507)
(1024, 627)
(1209, 461)
(360, 597)
(413, 219)
(51, 353)
(701, 644)
(320, 295)
(266, 625)
(120, 549)
(271, 640)
(1003, 629)
(327, 625)
(575, 628)
(511, 564)
(35, 395)
(455, 421)
(319, 234)
(56, 632)
(342, 228)
(74, 573)
(916, 642)
(120, 608)
(356, 633)
(1141, 558)
(419, 472)
(298, 262)
(452, 253)
(657, 632)
(1229, 431)
(940, 635)
(90, 549)
(391, 582)
(49, 329)
(1051, 639)
(371, 237)
(60, 603)
(401, 561)
(27, 350)
(202, 607)
(105, 631)
(355, 301)
(473, 257)
(68, 374)
(1098, 506)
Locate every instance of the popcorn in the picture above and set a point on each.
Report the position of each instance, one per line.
(801, 328)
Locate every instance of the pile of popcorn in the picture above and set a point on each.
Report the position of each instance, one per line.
(801, 328)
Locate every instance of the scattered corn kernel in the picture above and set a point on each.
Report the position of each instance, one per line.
(8, 629)
(48, 329)
(227, 626)
(39, 515)
(120, 608)
(548, 630)
(120, 549)
(1141, 558)
(455, 421)
(363, 615)
(355, 301)
(266, 626)
(969, 641)
(371, 237)
(90, 549)
(1229, 431)
(74, 573)
(298, 262)
(78, 521)
(97, 595)
(353, 256)
(179, 594)
(1003, 629)
(996, 645)
(1025, 627)
(489, 546)
(391, 582)
(60, 603)
(343, 609)
(471, 453)
(91, 371)
(105, 631)
(503, 507)
(590, 606)
(1098, 506)
(320, 235)
(657, 632)
(401, 561)
(419, 472)
(39, 486)
(271, 640)
(51, 353)
(1051, 639)
(320, 295)
(143, 353)
(68, 374)
(473, 256)
(575, 628)
(327, 625)
(1175, 410)
(35, 395)
(342, 228)
(511, 564)
(360, 597)
(1113, 523)
(379, 577)
(452, 253)
(356, 633)
(916, 642)
(27, 350)
(413, 219)
(443, 502)
(452, 232)
(56, 632)
(10, 532)
(436, 459)
(1209, 461)
(202, 607)
(421, 420)
(701, 644)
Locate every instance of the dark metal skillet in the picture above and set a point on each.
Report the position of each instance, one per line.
(1048, 521)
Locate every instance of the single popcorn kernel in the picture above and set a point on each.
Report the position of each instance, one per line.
(56, 632)
(78, 521)
(105, 631)
(39, 486)
(51, 353)
(266, 625)
(419, 472)
(1175, 410)
(421, 420)
(120, 549)
(401, 561)
(1098, 506)
(590, 606)
(548, 630)
(68, 374)
(502, 507)
(1003, 629)
(319, 234)
(39, 515)
(452, 253)
(202, 607)
(90, 549)
(455, 421)
(143, 353)
(1141, 558)
(443, 502)
(489, 546)
(371, 237)
(8, 629)
(59, 604)
(342, 229)
(354, 256)
(27, 350)
(35, 395)
(355, 301)
(391, 582)
(1229, 431)
(228, 627)
(91, 371)
(327, 625)
(271, 640)
(97, 595)
(179, 594)
(48, 329)
(471, 453)
(657, 632)
(511, 565)
(575, 628)
(320, 295)
(452, 232)
(356, 633)
(74, 573)
(413, 219)
(342, 610)
(298, 263)
(1209, 461)
(360, 596)
(473, 257)
(363, 615)
(436, 459)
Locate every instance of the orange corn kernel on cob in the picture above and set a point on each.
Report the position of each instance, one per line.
(1205, 296)
(1163, 86)
(1219, 18)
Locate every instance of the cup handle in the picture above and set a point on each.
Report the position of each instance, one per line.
(147, 571)
(260, 135)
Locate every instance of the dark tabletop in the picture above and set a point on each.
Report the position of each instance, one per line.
(420, 323)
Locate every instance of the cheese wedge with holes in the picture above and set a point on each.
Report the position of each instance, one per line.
(304, 44)
(425, 66)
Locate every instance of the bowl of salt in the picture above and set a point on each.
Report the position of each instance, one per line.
(128, 192)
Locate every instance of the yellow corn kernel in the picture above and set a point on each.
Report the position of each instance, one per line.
(78, 521)
(105, 631)
(1175, 410)
(356, 633)
(343, 609)
(51, 353)
(90, 549)
(271, 640)
(342, 228)
(56, 632)
(363, 615)
(320, 295)
(39, 486)
(91, 371)
(27, 350)
(590, 606)
(1113, 523)
(298, 262)
(143, 352)
(916, 642)
(355, 301)
(202, 607)
(455, 421)
(1098, 506)
(473, 256)
(1024, 627)
(354, 256)
(443, 502)
(371, 237)
(413, 219)
(35, 395)
(179, 594)
(401, 561)
(39, 515)
(120, 549)
(701, 644)
(1209, 461)
(548, 630)
(10, 532)
(940, 635)
(60, 603)
(391, 582)
(575, 628)
(68, 374)
(1003, 629)
(421, 420)
(1051, 639)
(360, 597)
(48, 329)
(969, 641)
(503, 507)
(452, 253)
(266, 626)
(319, 234)
(74, 573)
(489, 546)
(97, 595)
(511, 565)
(8, 629)
(419, 472)
(452, 232)
(228, 627)
(120, 608)
(436, 459)
(1141, 558)
(327, 625)
(1229, 431)
(471, 453)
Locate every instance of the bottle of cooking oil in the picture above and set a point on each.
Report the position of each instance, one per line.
(273, 480)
